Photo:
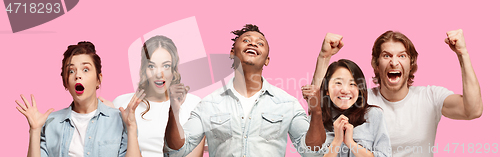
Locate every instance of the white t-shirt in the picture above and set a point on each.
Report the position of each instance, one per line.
(412, 122)
(246, 103)
(80, 122)
(151, 128)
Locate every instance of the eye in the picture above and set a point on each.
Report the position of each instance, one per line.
(85, 70)
(151, 66)
(246, 40)
(353, 84)
(402, 56)
(338, 83)
(166, 66)
(71, 71)
(261, 44)
(386, 56)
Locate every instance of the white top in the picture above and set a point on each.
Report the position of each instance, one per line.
(246, 103)
(80, 122)
(412, 122)
(151, 128)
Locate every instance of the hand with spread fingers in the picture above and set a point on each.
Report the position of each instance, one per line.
(35, 119)
(128, 115)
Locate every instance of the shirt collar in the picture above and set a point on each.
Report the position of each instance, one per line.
(101, 109)
(229, 89)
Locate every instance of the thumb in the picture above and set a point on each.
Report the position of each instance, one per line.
(48, 112)
(447, 41)
(341, 44)
(122, 109)
(187, 88)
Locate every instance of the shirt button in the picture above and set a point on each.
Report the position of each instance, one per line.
(92, 121)
(88, 153)
(245, 136)
(249, 117)
(242, 117)
(90, 137)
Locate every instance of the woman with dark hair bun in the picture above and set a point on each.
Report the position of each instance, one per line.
(352, 127)
(87, 127)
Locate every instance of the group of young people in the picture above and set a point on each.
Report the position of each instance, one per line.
(249, 116)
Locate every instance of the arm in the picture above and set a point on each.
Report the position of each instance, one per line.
(331, 45)
(470, 105)
(128, 117)
(36, 121)
(316, 133)
(198, 151)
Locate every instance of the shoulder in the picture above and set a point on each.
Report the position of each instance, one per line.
(123, 100)
(375, 112)
(280, 96)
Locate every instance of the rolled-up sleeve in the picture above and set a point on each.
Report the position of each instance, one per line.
(298, 130)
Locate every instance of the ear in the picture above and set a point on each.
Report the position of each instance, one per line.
(99, 80)
(267, 61)
(231, 54)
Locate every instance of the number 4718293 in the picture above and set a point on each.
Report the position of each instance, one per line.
(34, 8)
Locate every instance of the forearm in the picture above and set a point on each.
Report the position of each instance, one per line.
(132, 143)
(333, 149)
(174, 134)
(316, 134)
(34, 143)
(473, 104)
(321, 67)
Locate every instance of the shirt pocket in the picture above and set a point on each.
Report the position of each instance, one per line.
(271, 126)
(109, 148)
(221, 126)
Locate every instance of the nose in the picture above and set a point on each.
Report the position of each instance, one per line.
(394, 62)
(252, 43)
(345, 89)
(158, 72)
(77, 75)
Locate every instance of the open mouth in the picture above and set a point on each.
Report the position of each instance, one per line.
(79, 88)
(159, 83)
(252, 52)
(394, 76)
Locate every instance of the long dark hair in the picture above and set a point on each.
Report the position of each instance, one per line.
(356, 113)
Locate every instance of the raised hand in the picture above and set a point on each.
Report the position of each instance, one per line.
(128, 115)
(455, 39)
(312, 94)
(177, 94)
(331, 45)
(30, 111)
(348, 134)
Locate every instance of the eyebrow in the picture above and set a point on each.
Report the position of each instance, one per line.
(161, 63)
(84, 63)
(340, 78)
(396, 52)
(258, 37)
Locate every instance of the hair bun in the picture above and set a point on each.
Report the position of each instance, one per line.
(87, 45)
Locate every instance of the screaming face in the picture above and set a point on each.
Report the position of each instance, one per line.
(394, 66)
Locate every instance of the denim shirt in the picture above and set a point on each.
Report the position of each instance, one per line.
(220, 117)
(106, 135)
(372, 135)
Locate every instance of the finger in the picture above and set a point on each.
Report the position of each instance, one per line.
(48, 112)
(25, 101)
(121, 109)
(447, 41)
(22, 106)
(21, 110)
(341, 44)
(187, 88)
(33, 102)
(139, 101)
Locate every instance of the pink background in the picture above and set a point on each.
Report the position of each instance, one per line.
(31, 59)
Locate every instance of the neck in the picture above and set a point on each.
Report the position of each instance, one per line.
(85, 106)
(247, 83)
(156, 97)
(394, 95)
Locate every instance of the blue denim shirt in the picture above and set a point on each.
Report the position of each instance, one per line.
(372, 135)
(220, 117)
(106, 135)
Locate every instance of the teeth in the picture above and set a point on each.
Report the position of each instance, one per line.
(159, 82)
(394, 72)
(345, 98)
(252, 51)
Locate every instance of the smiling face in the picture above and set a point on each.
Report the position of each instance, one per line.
(342, 88)
(252, 50)
(394, 66)
(160, 61)
(82, 79)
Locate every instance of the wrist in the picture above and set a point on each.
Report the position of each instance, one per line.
(324, 56)
(35, 130)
